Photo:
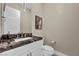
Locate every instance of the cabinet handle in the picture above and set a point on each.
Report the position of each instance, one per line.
(27, 54)
(30, 54)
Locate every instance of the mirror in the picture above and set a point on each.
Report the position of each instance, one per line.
(15, 19)
(11, 20)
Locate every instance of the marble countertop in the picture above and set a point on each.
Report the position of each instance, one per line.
(21, 43)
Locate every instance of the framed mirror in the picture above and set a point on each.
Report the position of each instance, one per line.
(11, 20)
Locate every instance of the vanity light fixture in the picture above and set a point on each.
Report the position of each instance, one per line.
(24, 5)
(27, 6)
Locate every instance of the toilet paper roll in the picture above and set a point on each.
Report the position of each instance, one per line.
(53, 42)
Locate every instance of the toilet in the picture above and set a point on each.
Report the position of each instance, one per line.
(47, 50)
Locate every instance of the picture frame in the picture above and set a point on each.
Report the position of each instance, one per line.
(38, 22)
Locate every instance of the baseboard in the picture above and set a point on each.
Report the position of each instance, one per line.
(59, 53)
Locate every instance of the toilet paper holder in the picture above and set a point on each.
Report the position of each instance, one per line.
(53, 42)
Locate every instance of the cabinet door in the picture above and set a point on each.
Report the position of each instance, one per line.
(20, 51)
(36, 48)
(13, 52)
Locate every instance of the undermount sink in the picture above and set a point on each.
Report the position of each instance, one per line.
(22, 39)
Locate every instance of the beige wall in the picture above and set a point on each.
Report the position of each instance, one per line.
(25, 17)
(61, 24)
(0, 19)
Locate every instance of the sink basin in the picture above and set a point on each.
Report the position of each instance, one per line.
(22, 39)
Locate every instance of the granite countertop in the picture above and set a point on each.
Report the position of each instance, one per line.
(21, 43)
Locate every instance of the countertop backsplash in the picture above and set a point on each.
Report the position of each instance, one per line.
(10, 37)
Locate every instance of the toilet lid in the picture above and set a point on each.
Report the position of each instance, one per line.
(48, 48)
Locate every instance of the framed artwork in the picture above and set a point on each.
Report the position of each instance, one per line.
(38, 22)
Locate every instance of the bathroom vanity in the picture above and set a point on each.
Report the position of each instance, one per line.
(28, 47)
(13, 41)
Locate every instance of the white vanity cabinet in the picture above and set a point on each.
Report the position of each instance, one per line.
(15, 52)
(36, 49)
(32, 49)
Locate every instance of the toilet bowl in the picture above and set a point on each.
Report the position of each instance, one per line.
(47, 50)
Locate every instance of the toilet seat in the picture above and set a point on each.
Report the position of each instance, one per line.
(47, 50)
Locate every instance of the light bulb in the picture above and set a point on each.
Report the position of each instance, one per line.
(24, 10)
